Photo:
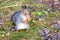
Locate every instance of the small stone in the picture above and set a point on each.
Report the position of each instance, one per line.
(8, 34)
(33, 20)
(2, 35)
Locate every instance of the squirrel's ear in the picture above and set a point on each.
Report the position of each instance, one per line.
(24, 6)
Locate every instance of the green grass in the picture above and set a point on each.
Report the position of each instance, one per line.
(32, 35)
(35, 25)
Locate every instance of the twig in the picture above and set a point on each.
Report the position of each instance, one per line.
(10, 6)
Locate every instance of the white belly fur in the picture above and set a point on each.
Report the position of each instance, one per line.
(22, 26)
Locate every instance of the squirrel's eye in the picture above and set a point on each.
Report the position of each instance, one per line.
(25, 14)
